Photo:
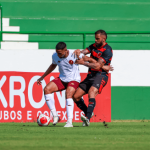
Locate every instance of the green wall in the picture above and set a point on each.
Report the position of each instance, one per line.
(130, 102)
(82, 16)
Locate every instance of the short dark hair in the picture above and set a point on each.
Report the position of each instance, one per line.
(60, 45)
(101, 32)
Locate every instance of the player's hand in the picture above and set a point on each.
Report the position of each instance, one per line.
(111, 68)
(77, 53)
(39, 81)
(80, 61)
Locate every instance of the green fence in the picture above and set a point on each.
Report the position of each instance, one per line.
(75, 22)
(124, 40)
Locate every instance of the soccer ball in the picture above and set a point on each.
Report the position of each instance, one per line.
(43, 120)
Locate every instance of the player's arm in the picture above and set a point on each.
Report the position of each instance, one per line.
(77, 52)
(95, 65)
(89, 59)
(86, 58)
(91, 64)
(85, 51)
(108, 68)
(88, 50)
(107, 57)
(48, 71)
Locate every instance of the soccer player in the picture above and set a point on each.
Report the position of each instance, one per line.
(68, 79)
(97, 77)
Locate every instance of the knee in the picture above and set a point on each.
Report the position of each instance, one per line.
(92, 94)
(47, 90)
(76, 98)
(69, 94)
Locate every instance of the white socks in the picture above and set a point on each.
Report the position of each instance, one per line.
(69, 107)
(51, 103)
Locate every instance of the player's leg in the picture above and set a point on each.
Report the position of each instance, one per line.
(82, 90)
(53, 86)
(70, 90)
(96, 88)
(77, 97)
(50, 88)
(91, 94)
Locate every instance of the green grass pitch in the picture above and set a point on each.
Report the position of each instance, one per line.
(113, 136)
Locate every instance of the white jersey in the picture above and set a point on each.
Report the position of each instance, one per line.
(68, 70)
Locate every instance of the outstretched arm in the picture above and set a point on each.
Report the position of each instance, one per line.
(91, 63)
(77, 52)
(95, 65)
(89, 59)
(108, 68)
(85, 51)
(48, 71)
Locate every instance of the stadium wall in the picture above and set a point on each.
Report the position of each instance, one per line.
(129, 37)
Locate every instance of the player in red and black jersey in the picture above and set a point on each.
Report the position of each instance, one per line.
(99, 65)
(103, 52)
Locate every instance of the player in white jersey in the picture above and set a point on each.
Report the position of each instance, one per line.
(68, 79)
(69, 71)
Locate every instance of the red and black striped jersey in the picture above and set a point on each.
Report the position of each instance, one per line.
(104, 52)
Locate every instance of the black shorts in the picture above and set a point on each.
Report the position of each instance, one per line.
(97, 80)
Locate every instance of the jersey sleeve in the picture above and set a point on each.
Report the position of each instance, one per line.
(107, 56)
(53, 61)
(90, 48)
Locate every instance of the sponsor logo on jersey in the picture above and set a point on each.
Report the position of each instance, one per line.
(72, 83)
(71, 62)
(99, 54)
